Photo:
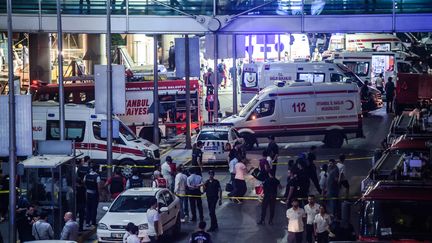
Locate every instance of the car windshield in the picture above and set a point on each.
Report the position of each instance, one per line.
(131, 204)
(126, 132)
(350, 75)
(399, 219)
(213, 135)
(248, 107)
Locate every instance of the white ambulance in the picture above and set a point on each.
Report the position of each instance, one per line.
(369, 64)
(257, 76)
(83, 125)
(360, 41)
(330, 110)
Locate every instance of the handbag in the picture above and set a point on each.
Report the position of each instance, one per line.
(229, 187)
(258, 174)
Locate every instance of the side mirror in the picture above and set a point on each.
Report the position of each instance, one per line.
(105, 208)
(163, 209)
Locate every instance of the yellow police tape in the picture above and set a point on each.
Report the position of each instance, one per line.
(217, 166)
(278, 198)
(278, 163)
(18, 190)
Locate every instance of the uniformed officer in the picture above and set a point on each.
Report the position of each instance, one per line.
(92, 180)
(83, 167)
(135, 180)
(200, 236)
(213, 191)
(197, 157)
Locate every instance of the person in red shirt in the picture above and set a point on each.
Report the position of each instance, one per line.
(116, 183)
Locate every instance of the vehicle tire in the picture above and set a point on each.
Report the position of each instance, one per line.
(249, 139)
(334, 139)
(126, 167)
(177, 226)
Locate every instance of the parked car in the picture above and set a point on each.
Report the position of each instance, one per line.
(132, 206)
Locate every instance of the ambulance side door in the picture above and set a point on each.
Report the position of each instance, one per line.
(298, 112)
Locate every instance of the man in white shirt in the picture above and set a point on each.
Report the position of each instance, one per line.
(311, 209)
(180, 190)
(322, 223)
(167, 173)
(296, 217)
(153, 221)
(194, 183)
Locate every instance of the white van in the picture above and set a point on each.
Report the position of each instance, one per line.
(360, 41)
(369, 64)
(84, 126)
(257, 76)
(332, 110)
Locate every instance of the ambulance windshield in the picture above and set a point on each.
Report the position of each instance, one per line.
(126, 132)
(350, 75)
(246, 110)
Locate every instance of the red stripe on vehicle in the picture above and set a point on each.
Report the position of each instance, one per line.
(303, 126)
(103, 147)
(369, 40)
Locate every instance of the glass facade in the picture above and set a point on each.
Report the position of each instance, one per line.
(224, 7)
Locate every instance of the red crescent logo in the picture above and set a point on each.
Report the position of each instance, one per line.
(352, 104)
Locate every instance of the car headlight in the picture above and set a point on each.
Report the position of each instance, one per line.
(148, 153)
(143, 226)
(102, 226)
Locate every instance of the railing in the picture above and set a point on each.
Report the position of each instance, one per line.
(223, 7)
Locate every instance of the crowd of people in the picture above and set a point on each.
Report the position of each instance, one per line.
(304, 214)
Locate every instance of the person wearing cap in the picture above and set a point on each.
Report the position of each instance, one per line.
(273, 152)
(167, 172)
(213, 191)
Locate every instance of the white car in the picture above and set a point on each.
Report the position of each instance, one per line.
(131, 206)
(215, 137)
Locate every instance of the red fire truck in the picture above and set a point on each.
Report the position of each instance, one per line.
(139, 103)
(395, 206)
(412, 89)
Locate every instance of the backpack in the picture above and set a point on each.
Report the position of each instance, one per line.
(161, 182)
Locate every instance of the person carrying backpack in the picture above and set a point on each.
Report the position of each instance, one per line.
(158, 181)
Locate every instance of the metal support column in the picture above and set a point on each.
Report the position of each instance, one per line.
(216, 79)
(188, 103)
(109, 90)
(279, 48)
(265, 48)
(234, 81)
(60, 71)
(155, 92)
(12, 138)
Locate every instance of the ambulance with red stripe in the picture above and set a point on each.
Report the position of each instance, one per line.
(83, 125)
(257, 76)
(300, 108)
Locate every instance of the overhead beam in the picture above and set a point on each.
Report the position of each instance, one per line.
(242, 24)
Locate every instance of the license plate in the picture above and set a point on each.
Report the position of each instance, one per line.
(117, 235)
(208, 148)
